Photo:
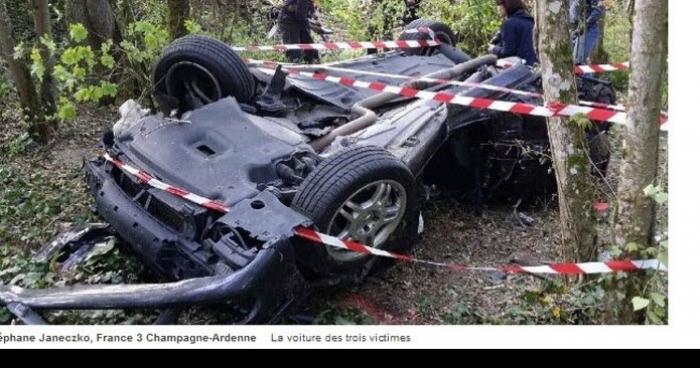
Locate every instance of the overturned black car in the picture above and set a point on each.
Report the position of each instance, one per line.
(282, 151)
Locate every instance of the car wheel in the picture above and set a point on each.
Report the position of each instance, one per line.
(364, 194)
(197, 70)
(442, 31)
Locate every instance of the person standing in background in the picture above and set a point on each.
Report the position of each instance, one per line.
(516, 36)
(295, 28)
(585, 17)
(412, 8)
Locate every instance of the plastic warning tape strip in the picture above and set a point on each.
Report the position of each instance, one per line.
(581, 69)
(552, 269)
(351, 45)
(405, 44)
(554, 109)
(489, 87)
(320, 238)
(594, 111)
(600, 68)
(354, 45)
(484, 86)
(151, 181)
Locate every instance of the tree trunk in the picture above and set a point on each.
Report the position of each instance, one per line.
(178, 13)
(97, 17)
(536, 31)
(567, 138)
(636, 212)
(42, 25)
(28, 98)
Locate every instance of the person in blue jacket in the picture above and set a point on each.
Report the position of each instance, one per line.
(516, 36)
(585, 17)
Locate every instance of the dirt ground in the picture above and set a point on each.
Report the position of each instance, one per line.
(418, 294)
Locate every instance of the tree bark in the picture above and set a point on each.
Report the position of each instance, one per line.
(28, 98)
(98, 18)
(636, 211)
(42, 26)
(178, 13)
(567, 139)
(641, 149)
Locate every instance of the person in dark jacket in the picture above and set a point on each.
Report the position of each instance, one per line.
(516, 36)
(295, 28)
(585, 17)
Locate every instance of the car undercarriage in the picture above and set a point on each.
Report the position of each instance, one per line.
(280, 151)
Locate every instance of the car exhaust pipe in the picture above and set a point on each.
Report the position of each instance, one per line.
(367, 117)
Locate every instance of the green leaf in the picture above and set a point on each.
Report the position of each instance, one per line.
(581, 120)
(49, 44)
(616, 252)
(661, 198)
(151, 41)
(657, 193)
(639, 303)
(650, 252)
(19, 51)
(659, 299)
(85, 94)
(193, 27)
(633, 247)
(67, 111)
(107, 61)
(655, 319)
(5, 316)
(78, 32)
(106, 46)
(79, 72)
(108, 89)
(651, 190)
(38, 68)
(663, 257)
(70, 56)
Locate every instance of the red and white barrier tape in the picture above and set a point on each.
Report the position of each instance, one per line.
(593, 110)
(595, 114)
(271, 65)
(568, 110)
(600, 68)
(319, 238)
(580, 69)
(351, 45)
(589, 268)
(151, 181)
(663, 119)
(354, 45)
(406, 44)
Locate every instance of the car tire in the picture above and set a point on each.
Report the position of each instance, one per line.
(442, 31)
(351, 179)
(210, 65)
